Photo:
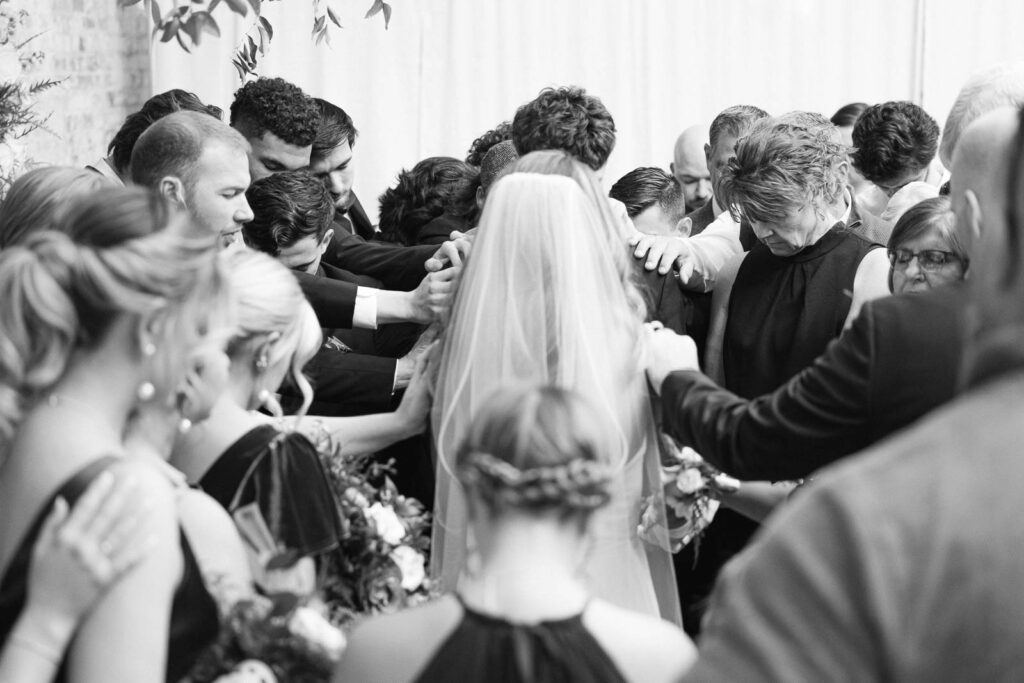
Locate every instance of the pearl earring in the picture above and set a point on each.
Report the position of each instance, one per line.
(146, 391)
(149, 349)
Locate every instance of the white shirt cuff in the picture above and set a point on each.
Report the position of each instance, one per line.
(364, 314)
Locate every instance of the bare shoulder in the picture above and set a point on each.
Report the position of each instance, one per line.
(417, 633)
(645, 648)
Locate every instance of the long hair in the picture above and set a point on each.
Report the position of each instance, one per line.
(122, 252)
(39, 200)
(271, 311)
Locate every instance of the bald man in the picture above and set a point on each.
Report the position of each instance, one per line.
(888, 567)
(690, 167)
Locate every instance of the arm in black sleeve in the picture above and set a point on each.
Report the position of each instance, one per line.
(397, 267)
(812, 420)
(351, 383)
(333, 301)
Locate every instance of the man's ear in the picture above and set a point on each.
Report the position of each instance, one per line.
(974, 217)
(707, 154)
(844, 170)
(672, 167)
(684, 227)
(480, 197)
(172, 189)
(326, 241)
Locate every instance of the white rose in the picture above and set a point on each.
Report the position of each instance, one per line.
(353, 496)
(386, 523)
(410, 563)
(10, 64)
(689, 481)
(310, 625)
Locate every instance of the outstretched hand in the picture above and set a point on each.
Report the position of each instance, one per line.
(415, 405)
(663, 253)
(668, 352)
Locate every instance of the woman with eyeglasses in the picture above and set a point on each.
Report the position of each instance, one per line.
(924, 249)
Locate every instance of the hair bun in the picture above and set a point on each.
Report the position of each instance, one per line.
(576, 485)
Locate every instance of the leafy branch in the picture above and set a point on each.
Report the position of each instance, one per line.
(187, 22)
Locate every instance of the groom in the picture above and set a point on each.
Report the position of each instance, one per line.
(570, 120)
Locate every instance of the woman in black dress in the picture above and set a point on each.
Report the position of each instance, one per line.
(100, 326)
(534, 468)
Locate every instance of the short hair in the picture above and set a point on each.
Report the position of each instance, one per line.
(734, 121)
(173, 145)
(780, 166)
(421, 195)
(335, 127)
(928, 214)
(643, 187)
(39, 199)
(537, 449)
(496, 163)
(484, 143)
(154, 109)
(275, 105)
(566, 119)
(848, 114)
(287, 207)
(893, 138)
(997, 86)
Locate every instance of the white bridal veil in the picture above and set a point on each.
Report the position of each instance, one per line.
(543, 298)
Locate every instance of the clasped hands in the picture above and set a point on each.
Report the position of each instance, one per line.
(433, 297)
(667, 352)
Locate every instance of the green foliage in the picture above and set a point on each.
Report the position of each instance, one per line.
(187, 22)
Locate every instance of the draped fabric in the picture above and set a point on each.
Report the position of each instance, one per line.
(445, 71)
(544, 303)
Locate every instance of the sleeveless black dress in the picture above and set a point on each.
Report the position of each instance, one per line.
(194, 617)
(281, 472)
(488, 648)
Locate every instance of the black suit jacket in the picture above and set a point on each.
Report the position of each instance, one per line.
(354, 220)
(683, 312)
(899, 360)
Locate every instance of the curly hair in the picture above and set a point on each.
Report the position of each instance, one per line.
(275, 105)
(566, 119)
(485, 142)
(536, 448)
(892, 139)
(782, 165)
(287, 207)
(430, 189)
(155, 108)
(643, 187)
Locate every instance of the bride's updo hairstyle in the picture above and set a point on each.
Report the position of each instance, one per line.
(275, 325)
(120, 252)
(537, 449)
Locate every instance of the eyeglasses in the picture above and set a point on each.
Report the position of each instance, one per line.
(929, 259)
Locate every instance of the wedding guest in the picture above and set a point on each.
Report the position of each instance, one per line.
(654, 201)
(495, 164)
(486, 142)
(397, 268)
(534, 467)
(716, 237)
(690, 167)
(421, 207)
(898, 361)
(79, 554)
(202, 165)
(871, 554)
(279, 122)
(115, 166)
(358, 371)
(991, 88)
(39, 199)
(566, 119)
(895, 144)
(924, 250)
(100, 323)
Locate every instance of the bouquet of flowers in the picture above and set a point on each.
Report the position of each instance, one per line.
(270, 639)
(17, 116)
(690, 488)
(381, 564)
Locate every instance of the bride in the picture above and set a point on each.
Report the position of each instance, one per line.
(548, 297)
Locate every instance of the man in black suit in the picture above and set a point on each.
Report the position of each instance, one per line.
(357, 371)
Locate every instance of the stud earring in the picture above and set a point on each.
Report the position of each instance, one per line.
(146, 391)
(149, 349)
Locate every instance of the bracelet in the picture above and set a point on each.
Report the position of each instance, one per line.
(39, 650)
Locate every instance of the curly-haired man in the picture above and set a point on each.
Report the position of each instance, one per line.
(279, 121)
(568, 119)
(895, 144)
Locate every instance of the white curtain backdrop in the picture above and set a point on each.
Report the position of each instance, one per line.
(448, 70)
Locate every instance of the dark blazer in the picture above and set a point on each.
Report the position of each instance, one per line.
(681, 311)
(355, 221)
(397, 267)
(333, 301)
(899, 360)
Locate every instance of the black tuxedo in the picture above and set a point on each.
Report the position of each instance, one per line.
(681, 311)
(899, 360)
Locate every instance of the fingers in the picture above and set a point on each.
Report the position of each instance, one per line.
(111, 510)
(87, 508)
(656, 256)
(53, 521)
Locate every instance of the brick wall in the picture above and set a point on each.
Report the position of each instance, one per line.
(104, 53)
